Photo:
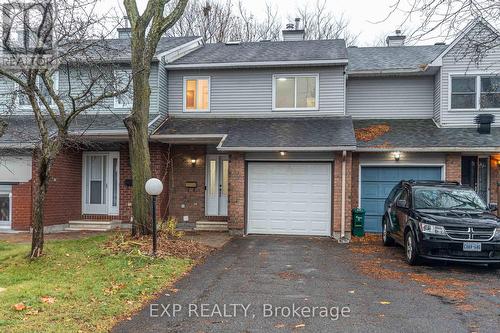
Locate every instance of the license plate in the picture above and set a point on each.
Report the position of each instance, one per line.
(476, 247)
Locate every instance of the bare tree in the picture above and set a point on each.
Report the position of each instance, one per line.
(222, 21)
(445, 19)
(321, 23)
(41, 41)
(147, 29)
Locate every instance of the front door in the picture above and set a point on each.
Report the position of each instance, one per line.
(101, 183)
(216, 185)
(475, 174)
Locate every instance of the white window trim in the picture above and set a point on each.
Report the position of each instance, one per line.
(185, 79)
(277, 76)
(116, 103)
(111, 211)
(9, 192)
(477, 76)
(28, 106)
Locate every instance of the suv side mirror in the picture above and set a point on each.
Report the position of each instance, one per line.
(493, 207)
(401, 204)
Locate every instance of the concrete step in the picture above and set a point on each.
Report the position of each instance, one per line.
(211, 226)
(185, 226)
(82, 225)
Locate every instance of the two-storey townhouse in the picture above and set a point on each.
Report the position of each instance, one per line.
(423, 103)
(91, 180)
(287, 137)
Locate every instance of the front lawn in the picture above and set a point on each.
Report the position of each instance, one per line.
(78, 285)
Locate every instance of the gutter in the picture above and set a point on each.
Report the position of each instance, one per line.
(428, 149)
(258, 64)
(343, 199)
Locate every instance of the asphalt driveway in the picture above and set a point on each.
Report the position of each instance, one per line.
(253, 284)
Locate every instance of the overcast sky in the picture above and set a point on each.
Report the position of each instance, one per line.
(363, 15)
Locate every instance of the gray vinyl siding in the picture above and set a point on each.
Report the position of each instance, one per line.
(391, 97)
(248, 92)
(162, 88)
(437, 97)
(106, 106)
(455, 63)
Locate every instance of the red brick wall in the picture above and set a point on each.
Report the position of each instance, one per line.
(355, 181)
(160, 164)
(21, 206)
(64, 195)
(337, 193)
(236, 196)
(454, 167)
(182, 170)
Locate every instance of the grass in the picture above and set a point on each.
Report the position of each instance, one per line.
(90, 287)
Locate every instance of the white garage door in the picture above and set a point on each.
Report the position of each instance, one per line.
(289, 198)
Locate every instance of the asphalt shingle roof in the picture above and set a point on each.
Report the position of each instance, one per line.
(320, 132)
(119, 49)
(23, 128)
(423, 133)
(333, 49)
(391, 58)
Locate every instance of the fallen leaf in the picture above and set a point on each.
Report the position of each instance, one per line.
(280, 325)
(19, 307)
(2, 289)
(385, 302)
(351, 291)
(300, 325)
(48, 300)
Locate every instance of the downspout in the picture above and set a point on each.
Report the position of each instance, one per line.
(343, 196)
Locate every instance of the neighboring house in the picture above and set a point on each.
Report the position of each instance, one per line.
(287, 137)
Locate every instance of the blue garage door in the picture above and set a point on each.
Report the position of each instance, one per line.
(377, 182)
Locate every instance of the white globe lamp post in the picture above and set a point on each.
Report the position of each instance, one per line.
(154, 187)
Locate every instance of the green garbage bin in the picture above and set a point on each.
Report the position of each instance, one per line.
(358, 222)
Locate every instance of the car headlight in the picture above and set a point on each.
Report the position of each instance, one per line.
(497, 232)
(431, 229)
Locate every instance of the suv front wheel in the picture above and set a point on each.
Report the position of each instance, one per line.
(411, 254)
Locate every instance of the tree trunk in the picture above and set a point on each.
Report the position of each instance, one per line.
(43, 176)
(137, 125)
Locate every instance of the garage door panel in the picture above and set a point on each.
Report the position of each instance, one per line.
(377, 183)
(294, 197)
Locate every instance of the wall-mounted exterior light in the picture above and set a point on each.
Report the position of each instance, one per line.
(282, 153)
(193, 162)
(396, 155)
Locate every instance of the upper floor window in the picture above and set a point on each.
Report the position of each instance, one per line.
(197, 94)
(474, 92)
(23, 100)
(122, 79)
(295, 92)
(490, 92)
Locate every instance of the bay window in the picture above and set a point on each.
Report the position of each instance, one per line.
(473, 92)
(197, 94)
(295, 92)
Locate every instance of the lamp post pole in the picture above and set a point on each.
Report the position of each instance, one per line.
(154, 224)
(154, 187)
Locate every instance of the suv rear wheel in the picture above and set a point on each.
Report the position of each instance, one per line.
(386, 236)
(411, 254)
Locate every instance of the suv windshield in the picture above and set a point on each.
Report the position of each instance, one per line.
(447, 198)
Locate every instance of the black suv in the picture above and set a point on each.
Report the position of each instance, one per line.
(441, 220)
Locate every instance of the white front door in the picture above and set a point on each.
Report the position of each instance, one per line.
(5, 206)
(216, 185)
(289, 198)
(101, 183)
